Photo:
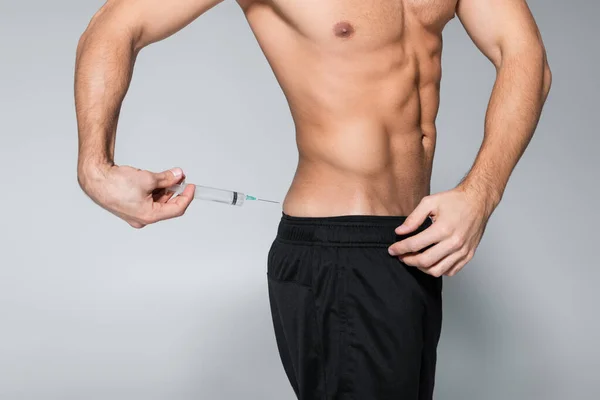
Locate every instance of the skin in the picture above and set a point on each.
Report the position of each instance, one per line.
(362, 80)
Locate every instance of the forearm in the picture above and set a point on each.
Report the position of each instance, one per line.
(105, 59)
(521, 88)
(104, 66)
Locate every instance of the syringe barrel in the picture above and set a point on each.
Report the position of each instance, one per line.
(212, 194)
(219, 195)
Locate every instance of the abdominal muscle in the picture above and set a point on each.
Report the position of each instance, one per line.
(364, 108)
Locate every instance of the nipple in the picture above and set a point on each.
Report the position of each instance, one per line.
(343, 29)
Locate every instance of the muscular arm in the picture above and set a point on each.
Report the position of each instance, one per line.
(105, 58)
(104, 65)
(505, 31)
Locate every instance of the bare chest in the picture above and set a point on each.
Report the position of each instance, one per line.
(358, 20)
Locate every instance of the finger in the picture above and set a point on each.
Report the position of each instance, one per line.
(175, 207)
(165, 179)
(432, 234)
(186, 196)
(417, 217)
(444, 265)
(431, 256)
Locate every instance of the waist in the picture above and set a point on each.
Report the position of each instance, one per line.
(344, 230)
(321, 189)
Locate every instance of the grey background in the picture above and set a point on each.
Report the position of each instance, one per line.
(91, 308)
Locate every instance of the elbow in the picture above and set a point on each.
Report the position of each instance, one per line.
(546, 77)
(536, 59)
(111, 23)
(83, 41)
(96, 23)
(539, 58)
(547, 80)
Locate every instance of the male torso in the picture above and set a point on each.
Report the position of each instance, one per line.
(355, 298)
(362, 81)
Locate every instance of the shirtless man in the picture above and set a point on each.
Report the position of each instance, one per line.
(356, 267)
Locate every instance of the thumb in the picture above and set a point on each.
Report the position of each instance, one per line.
(416, 218)
(168, 178)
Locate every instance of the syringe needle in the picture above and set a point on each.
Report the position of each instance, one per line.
(248, 197)
(268, 201)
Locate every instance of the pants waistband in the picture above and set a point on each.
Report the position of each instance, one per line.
(345, 230)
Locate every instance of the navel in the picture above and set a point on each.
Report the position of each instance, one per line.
(343, 29)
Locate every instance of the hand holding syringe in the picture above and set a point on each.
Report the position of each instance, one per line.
(218, 195)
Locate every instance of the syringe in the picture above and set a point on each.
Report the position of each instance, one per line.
(219, 195)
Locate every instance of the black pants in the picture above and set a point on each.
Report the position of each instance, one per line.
(351, 321)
